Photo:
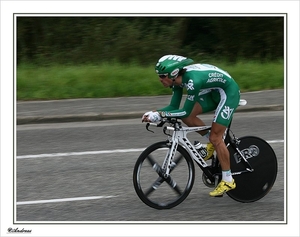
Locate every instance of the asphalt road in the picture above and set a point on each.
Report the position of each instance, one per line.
(98, 109)
(82, 172)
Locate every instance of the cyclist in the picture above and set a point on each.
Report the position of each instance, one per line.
(208, 88)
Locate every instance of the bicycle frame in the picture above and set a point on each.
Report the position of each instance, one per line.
(179, 137)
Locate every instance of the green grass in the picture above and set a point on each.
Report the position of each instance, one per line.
(253, 76)
(115, 80)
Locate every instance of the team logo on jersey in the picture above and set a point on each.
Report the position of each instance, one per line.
(190, 85)
(226, 113)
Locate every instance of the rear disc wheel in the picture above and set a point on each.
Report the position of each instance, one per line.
(252, 186)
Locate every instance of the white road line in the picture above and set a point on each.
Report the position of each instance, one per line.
(275, 141)
(63, 200)
(80, 153)
(97, 152)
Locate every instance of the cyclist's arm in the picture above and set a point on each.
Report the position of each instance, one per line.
(181, 113)
(193, 88)
(175, 100)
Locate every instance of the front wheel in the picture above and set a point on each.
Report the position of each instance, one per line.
(152, 187)
(252, 186)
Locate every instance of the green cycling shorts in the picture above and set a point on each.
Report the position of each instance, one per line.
(223, 101)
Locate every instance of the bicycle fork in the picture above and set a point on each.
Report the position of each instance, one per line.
(167, 164)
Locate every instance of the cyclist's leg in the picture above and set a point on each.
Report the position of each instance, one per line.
(228, 103)
(192, 120)
(216, 138)
(204, 103)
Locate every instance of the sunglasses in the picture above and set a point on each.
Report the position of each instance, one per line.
(162, 76)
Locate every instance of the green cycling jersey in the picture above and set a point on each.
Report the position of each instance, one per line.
(208, 85)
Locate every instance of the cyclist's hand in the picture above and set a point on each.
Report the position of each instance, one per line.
(145, 116)
(153, 117)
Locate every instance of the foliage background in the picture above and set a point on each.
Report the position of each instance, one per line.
(144, 39)
(89, 57)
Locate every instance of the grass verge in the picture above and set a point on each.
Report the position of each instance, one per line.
(116, 80)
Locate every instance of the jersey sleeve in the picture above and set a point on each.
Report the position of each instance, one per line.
(175, 100)
(192, 94)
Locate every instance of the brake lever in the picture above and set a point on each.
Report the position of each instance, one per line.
(157, 125)
(147, 127)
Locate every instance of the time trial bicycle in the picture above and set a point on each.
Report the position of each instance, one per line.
(164, 173)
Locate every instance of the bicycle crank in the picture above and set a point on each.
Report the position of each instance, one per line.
(207, 181)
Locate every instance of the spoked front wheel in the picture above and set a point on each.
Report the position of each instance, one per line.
(150, 184)
(252, 186)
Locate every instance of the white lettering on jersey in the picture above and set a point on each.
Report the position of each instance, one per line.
(206, 67)
(216, 80)
(191, 97)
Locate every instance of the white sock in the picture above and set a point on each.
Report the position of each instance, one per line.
(207, 135)
(226, 175)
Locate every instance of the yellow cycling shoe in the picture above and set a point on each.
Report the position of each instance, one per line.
(222, 188)
(210, 151)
